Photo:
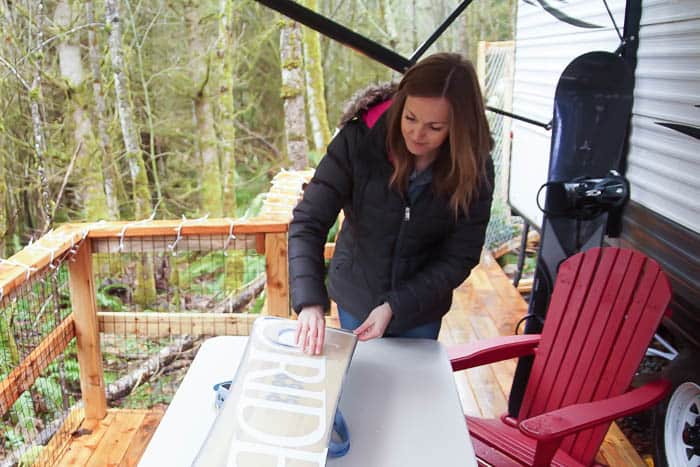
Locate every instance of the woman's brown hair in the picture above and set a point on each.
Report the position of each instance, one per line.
(459, 167)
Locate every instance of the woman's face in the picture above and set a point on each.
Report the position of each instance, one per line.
(425, 125)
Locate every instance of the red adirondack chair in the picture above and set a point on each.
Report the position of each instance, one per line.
(606, 305)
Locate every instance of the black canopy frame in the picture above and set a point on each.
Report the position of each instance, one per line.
(373, 49)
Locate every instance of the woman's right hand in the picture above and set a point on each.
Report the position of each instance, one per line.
(311, 330)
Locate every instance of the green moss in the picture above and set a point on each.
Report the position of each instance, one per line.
(289, 92)
(145, 282)
(296, 137)
(211, 192)
(34, 94)
(292, 64)
(234, 267)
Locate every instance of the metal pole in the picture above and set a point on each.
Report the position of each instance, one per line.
(438, 32)
(338, 32)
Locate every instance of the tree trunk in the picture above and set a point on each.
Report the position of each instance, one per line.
(390, 23)
(202, 82)
(414, 27)
(147, 110)
(92, 194)
(315, 89)
(293, 94)
(226, 127)
(4, 192)
(134, 156)
(110, 174)
(36, 98)
(145, 288)
(234, 263)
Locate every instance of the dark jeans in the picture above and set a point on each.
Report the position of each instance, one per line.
(425, 331)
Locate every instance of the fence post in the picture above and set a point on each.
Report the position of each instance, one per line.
(82, 296)
(277, 270)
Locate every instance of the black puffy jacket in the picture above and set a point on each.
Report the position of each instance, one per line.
(412, 257)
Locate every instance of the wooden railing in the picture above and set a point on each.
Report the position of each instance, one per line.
(266, 233)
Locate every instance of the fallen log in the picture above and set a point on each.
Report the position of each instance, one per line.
(235, 303)
(124, 385)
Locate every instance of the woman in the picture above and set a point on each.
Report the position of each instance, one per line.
(416, 190)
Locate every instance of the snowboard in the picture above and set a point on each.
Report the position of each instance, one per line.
(592, 109)
(281, 406)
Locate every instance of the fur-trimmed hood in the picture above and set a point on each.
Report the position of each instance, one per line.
(365, 99)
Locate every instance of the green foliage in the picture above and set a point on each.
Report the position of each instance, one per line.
(252, 267)
(109, 376)
(13, 439)
(289, 92)
(259, 302)
(333, 232)
(254, 205)
(292, 64)
(23, 409)
(108, 301)
(145, 396)
(512, 258)
(30, 456)
(51, 391)
(67, 366)
(314, 158)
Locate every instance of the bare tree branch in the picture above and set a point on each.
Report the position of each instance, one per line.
(260, 138)
(16, 73)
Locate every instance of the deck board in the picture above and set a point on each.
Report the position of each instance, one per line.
(117, 440)
(143, 435)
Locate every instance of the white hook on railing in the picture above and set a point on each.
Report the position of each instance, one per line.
(178, 229)
(86, 231)
(231, 236)
(52, 251)
(29, 269)
(132, 224)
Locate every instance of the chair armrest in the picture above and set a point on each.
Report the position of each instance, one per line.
(483, 352)
(568, 420)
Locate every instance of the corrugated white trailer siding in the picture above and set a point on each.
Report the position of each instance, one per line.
(664, 164)
(544, 45)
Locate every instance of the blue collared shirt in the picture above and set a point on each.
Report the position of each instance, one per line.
(418, 181)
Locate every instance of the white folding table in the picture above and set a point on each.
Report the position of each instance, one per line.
(399, 401)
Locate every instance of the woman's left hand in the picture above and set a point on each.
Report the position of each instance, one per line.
(375, 324)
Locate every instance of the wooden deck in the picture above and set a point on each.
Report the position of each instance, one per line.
(486, 305)
(118, 440)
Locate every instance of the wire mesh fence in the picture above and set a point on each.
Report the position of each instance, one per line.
(152, 296)
(159, 297)
(38, 367)
(495, 64)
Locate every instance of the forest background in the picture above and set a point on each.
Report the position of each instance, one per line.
(130, 109)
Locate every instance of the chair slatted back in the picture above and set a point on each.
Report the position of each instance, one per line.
(606, 305)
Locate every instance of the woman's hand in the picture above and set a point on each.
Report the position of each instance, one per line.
(375, 324)
(311, 330)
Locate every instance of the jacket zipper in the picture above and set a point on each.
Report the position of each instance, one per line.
(397, 249)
